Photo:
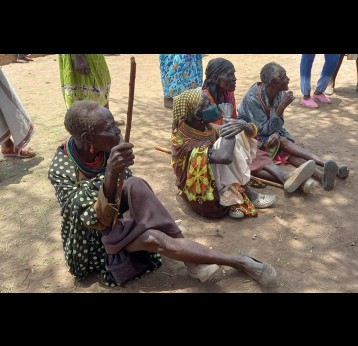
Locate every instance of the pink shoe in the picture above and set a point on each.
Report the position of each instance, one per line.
(321, 98)
(309, 103)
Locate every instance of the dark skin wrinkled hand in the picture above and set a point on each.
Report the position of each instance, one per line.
(121, 156)
(273, 140)
(233, 127)
(286, 100)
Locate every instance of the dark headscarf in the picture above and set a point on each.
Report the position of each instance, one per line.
(215, 67)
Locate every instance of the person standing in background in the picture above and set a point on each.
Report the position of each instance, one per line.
(85, 77)
(23, 58)
(330, 63)
(179, 72)
(330, 89)
(16, 128)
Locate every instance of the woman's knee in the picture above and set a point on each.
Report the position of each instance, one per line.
(150, 240)
(136, 184)
(133, 181)
(284, 143)
(155, 239)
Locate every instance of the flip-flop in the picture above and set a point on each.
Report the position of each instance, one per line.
(330, 170)
(23, 153)
(268, 277)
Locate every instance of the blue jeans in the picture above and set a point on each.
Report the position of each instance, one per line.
(330, 64)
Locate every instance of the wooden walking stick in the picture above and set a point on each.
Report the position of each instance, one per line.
(267, 182)
(164, 150)
(128, 128)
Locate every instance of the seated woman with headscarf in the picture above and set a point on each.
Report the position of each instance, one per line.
(212, 170)
(264, 104)
(219, 85)
(85, 173)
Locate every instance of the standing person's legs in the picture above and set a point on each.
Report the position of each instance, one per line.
(23, 58)
(199, 67)
(8, 149)
(167, 77)
(7, 146)
(332, 83)
(305, 74)
(305, 80)
(329, 67)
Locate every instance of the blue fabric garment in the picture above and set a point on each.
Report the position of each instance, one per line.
(330, 64)
(251, 110)
(180, 72)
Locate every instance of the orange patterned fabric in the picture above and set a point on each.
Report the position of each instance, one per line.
(189, 160)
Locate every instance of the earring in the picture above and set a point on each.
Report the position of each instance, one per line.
(92, 149)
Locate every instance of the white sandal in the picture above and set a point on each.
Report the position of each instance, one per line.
(235, 213)
(264, 201)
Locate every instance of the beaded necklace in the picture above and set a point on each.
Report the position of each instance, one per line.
(195, 134)
(267, 109)
(90, 169)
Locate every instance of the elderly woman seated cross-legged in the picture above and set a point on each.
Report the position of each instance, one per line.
(212, 171)
(85, 172)
(264, 104)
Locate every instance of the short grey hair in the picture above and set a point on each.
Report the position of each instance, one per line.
(271, 71)
(79, 118)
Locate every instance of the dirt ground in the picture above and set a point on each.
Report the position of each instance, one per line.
(311, 240)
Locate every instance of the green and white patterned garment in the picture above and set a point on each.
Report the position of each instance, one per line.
(76, 86)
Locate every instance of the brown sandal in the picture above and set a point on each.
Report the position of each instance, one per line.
(23, 153)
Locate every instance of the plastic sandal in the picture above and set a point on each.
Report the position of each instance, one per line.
(309, 103)
(321, 98)
(264, 201)
(235, 213)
